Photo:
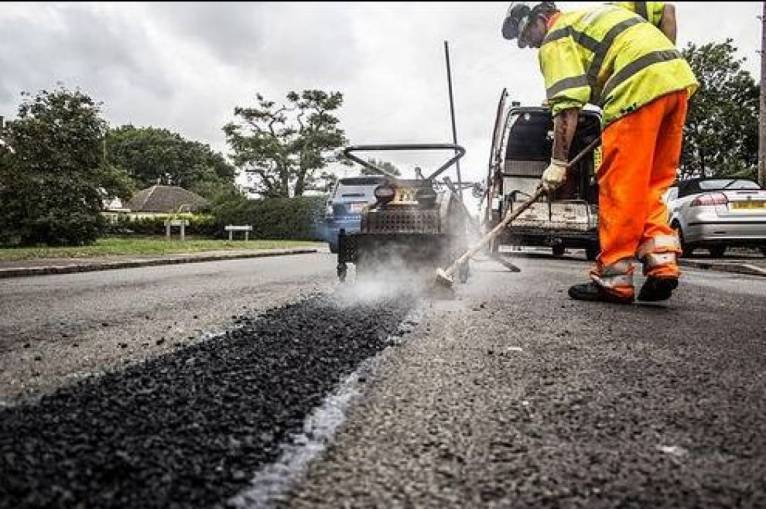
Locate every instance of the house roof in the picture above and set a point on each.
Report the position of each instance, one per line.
(165, 199)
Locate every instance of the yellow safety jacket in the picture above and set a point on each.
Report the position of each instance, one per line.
(650, 11)
(610, 57)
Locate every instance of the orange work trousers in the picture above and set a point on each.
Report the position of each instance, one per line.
(641, 152)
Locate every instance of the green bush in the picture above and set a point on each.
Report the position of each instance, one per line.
(271, 218)
(203, 225)
(297, 218)
(51, 183)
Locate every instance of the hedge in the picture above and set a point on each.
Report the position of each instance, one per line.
(204, 225)
(272, 218)
(297, 218)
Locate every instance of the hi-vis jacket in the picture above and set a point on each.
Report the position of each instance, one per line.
(610, 57)
(650, 11)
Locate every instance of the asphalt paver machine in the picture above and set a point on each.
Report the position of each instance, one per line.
(413, 224)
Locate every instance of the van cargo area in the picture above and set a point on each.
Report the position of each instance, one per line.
(521, 151)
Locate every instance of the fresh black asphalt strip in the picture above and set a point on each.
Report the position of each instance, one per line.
(189, 428)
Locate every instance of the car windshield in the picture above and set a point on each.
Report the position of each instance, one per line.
(357, 188)
(700, 186)
(720, 184)
(361, 181)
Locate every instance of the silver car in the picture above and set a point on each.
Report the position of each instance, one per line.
(717, 213)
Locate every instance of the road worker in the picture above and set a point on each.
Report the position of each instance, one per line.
(660, 14)
(612, 57)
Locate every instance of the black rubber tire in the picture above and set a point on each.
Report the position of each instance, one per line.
(591, 252)
(686, 250)
(558, 249)
(717, 251)
(464, 272)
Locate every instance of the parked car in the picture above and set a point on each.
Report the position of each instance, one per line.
(344, 207)
(716, 213)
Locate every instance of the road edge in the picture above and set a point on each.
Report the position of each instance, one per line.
(132, 264)
(736, 268)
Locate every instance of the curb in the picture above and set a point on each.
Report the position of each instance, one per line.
(737, 268)
(131, 264)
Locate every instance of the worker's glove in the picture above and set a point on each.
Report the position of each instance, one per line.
(554, 175)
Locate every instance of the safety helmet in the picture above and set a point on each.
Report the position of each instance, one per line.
(519, 15)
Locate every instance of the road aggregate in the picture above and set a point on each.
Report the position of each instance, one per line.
(189, 428)
(513, 395)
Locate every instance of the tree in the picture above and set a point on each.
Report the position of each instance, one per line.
(151, 155)
(283, 147)
(721, 132)
(385, 165)
(53, 180)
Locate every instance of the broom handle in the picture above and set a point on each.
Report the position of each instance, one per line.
(514, 213)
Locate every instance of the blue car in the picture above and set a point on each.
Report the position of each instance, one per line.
(344, 207)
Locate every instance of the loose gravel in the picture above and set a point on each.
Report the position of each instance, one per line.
(189, 428)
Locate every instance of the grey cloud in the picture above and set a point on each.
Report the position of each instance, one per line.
(278, 40)
(73, 44)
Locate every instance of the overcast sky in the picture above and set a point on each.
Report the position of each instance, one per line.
(184, 66)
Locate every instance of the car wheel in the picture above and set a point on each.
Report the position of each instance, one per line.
(686, 250)
(591, 252)
(717, 251)
(558, 249)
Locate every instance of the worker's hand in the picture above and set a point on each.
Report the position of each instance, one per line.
(554, 175)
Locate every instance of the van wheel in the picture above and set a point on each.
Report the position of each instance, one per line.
(558, 249)
(464, 272)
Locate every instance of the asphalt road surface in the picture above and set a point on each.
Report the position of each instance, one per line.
(506, 395)
(57, 329)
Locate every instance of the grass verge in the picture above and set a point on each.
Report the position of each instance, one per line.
(117, 246)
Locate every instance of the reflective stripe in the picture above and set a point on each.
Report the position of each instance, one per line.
(606, 44)
(636, 66)
(652, 260)
(584, 40)
(642, 11)
(659, 244)
(613, 281)
(566, 83)
(617, 268)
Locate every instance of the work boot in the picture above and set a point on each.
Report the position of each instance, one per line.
(656, 289)
(596, 293)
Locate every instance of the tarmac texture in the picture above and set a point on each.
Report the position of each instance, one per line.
(508, 394)
(513, 395)
(188, 428)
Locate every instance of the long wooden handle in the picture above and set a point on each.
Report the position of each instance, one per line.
(510, 216)
(514, 213)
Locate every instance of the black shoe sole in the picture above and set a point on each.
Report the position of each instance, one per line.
(656, 289)
(598, 297)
